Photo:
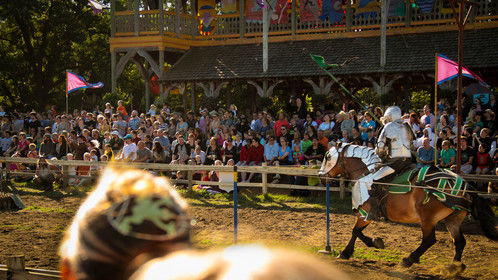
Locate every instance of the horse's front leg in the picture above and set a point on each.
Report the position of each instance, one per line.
(358, 228)
(428, 239)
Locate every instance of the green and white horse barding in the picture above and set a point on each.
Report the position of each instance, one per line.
(443, 197)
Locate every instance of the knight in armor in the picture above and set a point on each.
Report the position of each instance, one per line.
(394, 148)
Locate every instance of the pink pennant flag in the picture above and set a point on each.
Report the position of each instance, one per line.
(75, 82)
(447, 69)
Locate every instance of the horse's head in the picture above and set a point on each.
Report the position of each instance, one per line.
(330, 164)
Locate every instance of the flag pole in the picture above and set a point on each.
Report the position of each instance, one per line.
(435, 114)
(67, 90)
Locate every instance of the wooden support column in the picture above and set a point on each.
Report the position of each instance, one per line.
(15, 263)
(129, 6)
(264, 180)
(242, 18)
(293, 17)
(342, 189)
(136, 18)
(113, 18)
(193, 10)
(113, 72)
(192, 93)
(408, 13)
(178, 12)
(349, 16)
(161, 70)
(161, 18)
(383, 25)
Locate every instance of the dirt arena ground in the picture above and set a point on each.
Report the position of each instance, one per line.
(37, 230)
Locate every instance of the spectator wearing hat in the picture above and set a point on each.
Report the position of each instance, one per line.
(116, 142)
(129, 151)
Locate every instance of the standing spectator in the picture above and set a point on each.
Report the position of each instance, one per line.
(447, 155)
(121, 110)
(425, 154)
(152, 110)
(282, 122)
(326, 126)
(108, 108)
(256, 122)
(427, 119)
(300, 109)
(367, 123)
(414, 123)
(120, 125)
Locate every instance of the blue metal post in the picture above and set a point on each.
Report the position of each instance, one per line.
(327, 247)
(235, 204)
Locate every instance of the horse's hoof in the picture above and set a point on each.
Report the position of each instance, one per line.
(378, 243)
(344, 256)
(455, 269)
(407, 262)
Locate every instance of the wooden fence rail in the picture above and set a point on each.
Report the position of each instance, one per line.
(190, 169)
(15, 270)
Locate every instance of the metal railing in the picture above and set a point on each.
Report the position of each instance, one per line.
(228, 26)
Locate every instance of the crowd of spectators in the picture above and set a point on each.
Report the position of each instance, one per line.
(295, 136)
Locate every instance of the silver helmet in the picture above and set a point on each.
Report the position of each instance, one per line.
(392, 113)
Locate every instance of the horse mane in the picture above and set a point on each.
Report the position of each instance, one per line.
(366, 154)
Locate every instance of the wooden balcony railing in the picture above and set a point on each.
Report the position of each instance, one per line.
(229, 26)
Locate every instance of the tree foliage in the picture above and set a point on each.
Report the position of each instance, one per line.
(40, 39)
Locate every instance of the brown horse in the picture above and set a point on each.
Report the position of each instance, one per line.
(415, 206)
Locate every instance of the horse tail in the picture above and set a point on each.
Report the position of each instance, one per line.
(481, 211)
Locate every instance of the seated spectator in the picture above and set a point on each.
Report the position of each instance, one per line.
(254, 157)
(284, 153)
(483, 160)
(143, 153)
(271, 149)
(129, 152)
(213, 152)
(315, 152)
(355, 137)
(181, 152)
(425, 154)
(466, 156)
(109, 237)
(158, 154)
(447, 155)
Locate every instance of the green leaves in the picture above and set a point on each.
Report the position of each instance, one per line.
(40, 39)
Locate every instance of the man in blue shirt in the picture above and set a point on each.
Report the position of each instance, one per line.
(425, 154)
(164, 141)
(271, 150)
(134, 121)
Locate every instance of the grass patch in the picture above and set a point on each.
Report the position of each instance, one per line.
(283, 201)
(48, 209)
(10, 227)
